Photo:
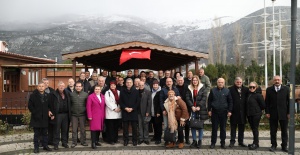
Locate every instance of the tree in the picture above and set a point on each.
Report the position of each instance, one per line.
(217, 32)
(238, 38)
(211, 71)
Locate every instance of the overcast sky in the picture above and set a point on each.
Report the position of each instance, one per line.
(161, 10)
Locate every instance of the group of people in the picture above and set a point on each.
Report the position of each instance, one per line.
(164, 104)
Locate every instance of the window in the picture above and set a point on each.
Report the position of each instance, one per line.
(33, 77)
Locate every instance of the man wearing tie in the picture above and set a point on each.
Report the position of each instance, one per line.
(277, 110)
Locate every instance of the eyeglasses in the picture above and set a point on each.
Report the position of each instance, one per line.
(251, 87)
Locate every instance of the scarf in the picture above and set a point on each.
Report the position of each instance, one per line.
(195, 93)
(115, 92)
(172, 122)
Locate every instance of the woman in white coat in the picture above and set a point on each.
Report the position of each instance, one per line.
(112, 113)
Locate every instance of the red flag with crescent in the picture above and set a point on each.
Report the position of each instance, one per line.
(128, 54)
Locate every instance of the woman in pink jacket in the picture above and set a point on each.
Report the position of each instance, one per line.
(96, 114)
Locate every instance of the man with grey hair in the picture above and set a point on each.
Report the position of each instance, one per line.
(219, 108)
(144, 113)
(49, 90)
(60, 104)
(101, 83)
(94, 80)
(204, 79)
(277, 110)
(136, 83)
(183, 88)
(238, 118)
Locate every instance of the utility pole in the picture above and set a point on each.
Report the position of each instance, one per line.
(292, 77)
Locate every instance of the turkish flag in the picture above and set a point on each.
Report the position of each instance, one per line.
(128, 54)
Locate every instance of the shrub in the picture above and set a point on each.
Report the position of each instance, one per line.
(26, 119)
(3, 127)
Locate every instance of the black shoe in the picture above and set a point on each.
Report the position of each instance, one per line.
(212, 146)
(194, 144)
(65, 145)
(125, 143)
(223, 146)
(231, 144)
(284, 149)
(134, 143)
(97, 144)
(253, 147)
(187, 141)
(73, 145)
(94, 146)
(147, 142)
(47, 148)
(140, 142)
(157, 142)
(272, 148)
(55, 147)
(242, 145)
(36, 150)
(84, 144)
(199, 144)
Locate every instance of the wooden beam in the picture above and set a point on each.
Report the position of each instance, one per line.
(74, 69)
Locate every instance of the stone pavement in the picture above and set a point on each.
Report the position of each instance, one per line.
(22, 144)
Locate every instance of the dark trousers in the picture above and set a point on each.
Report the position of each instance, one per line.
(81, 121)
(180, 132)
(61, 129)
(51, 132)
(254, 123)
(241, 129)
(157, 126)
(134, 130)
(218, 117)
(273, 131)
(95, 136)
(40, 132)
(112, 127)
(187, 130)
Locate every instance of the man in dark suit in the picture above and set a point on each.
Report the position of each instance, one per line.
(238, 118)
(277, 110)
(129, 102)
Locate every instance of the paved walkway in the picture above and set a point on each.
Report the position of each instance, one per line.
(22, 144)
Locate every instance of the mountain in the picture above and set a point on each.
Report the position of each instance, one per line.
(69, 34)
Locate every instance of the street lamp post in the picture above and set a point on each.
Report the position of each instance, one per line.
(273, 35)
(265, 41)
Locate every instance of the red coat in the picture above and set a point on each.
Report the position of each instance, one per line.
(96, 111)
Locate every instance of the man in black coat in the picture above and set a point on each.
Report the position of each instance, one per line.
(48, 90)
(183, 88)
(238, 118)
(277, 110)
(39, 106)
(60, 108)
(129, 102)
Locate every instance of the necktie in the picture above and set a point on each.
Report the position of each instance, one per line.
(277, 89)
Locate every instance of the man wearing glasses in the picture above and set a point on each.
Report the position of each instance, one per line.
(277, 110)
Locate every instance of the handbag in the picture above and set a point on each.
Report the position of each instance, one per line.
(169, 137)
(196, 123)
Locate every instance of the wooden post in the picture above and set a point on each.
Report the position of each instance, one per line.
(186, 69)
(74, 69)
(180, 69)
(196, 66)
